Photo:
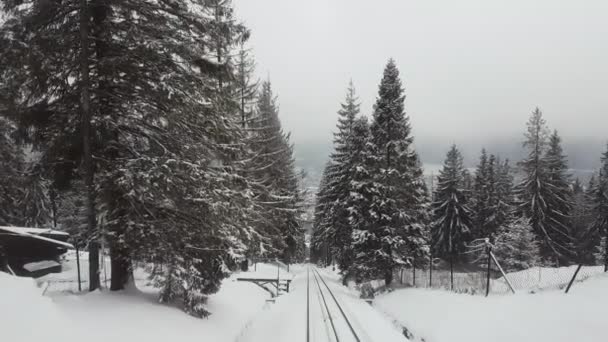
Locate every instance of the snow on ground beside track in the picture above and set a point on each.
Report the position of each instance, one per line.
(369, 323)
(28, 316)
(548, 316)
(543, 278)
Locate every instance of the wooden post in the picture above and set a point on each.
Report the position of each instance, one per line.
(573, 277)
(489, 251)
(414, 276)
(504, 275)
(452, 271)
(78, 266)
(431, 271)
(278, 280)
(606, 249)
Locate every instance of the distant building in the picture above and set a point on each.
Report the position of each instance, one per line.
(32, 252)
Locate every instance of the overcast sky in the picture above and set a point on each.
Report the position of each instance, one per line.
(470, 67)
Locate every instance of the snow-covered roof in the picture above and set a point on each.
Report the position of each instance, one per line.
(33, 233)
(35, 230)
(40, 265)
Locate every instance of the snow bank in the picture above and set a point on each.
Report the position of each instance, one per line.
(551, 316)
(25, 315)
(28, 316)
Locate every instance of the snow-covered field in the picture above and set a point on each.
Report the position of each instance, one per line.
(547, 316)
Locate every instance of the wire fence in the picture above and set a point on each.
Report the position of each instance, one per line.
(479, 279)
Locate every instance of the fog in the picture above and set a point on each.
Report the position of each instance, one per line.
(473, 70)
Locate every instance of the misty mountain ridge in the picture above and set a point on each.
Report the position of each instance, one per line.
(583, 154)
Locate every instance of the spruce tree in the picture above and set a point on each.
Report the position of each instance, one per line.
(581, 223)
(503, 210)
(399, 207)
(319, 244)
(452, 218)
(11, 164)
(600, 212)
(516, 247)
(35, 203)
(480, 198)
(165, 130)
(539, 194)
(338, 233)
(277, 191)
(559, 197)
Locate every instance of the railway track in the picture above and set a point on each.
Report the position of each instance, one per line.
(338, 325)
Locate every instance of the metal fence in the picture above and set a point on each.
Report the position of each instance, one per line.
(480, 279)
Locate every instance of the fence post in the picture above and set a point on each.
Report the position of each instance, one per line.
(573, 277)
(414, 276)
(605, 249)
(489, 251)
(452, 272)
(431, 271)
(78, 266)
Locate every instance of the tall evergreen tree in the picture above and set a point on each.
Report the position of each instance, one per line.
(35, 203)
(319, 245)
(539, 195)
(581, 223)
(559, 199)
(451, 227)
(480, 197)
(600, 212)
(164, 133)
(11, 164)
(338, 232)
(278, 190)
(399, 206)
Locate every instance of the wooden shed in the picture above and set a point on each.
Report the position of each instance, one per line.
(32, 252)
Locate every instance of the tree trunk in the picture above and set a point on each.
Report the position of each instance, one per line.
(87, 160)
(388, 276)
(121, 272)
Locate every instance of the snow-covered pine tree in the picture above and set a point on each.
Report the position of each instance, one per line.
(399, 207)
(351, 202)
(319, 245)
(535, 197)
(277, 191)
(516, 247)
(451, 227)
(503, 210)
(11, 164)
(600, 212)
(581, 223)
(163, 137)
(246, 85)
(559, 197)
(480, 198)
(359, 202)
(35, 203)
(338, 232)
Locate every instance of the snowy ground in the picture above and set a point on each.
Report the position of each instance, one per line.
(286, 320)
(135, 314)
(241, 311)
(547, 316)
(544, 278)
